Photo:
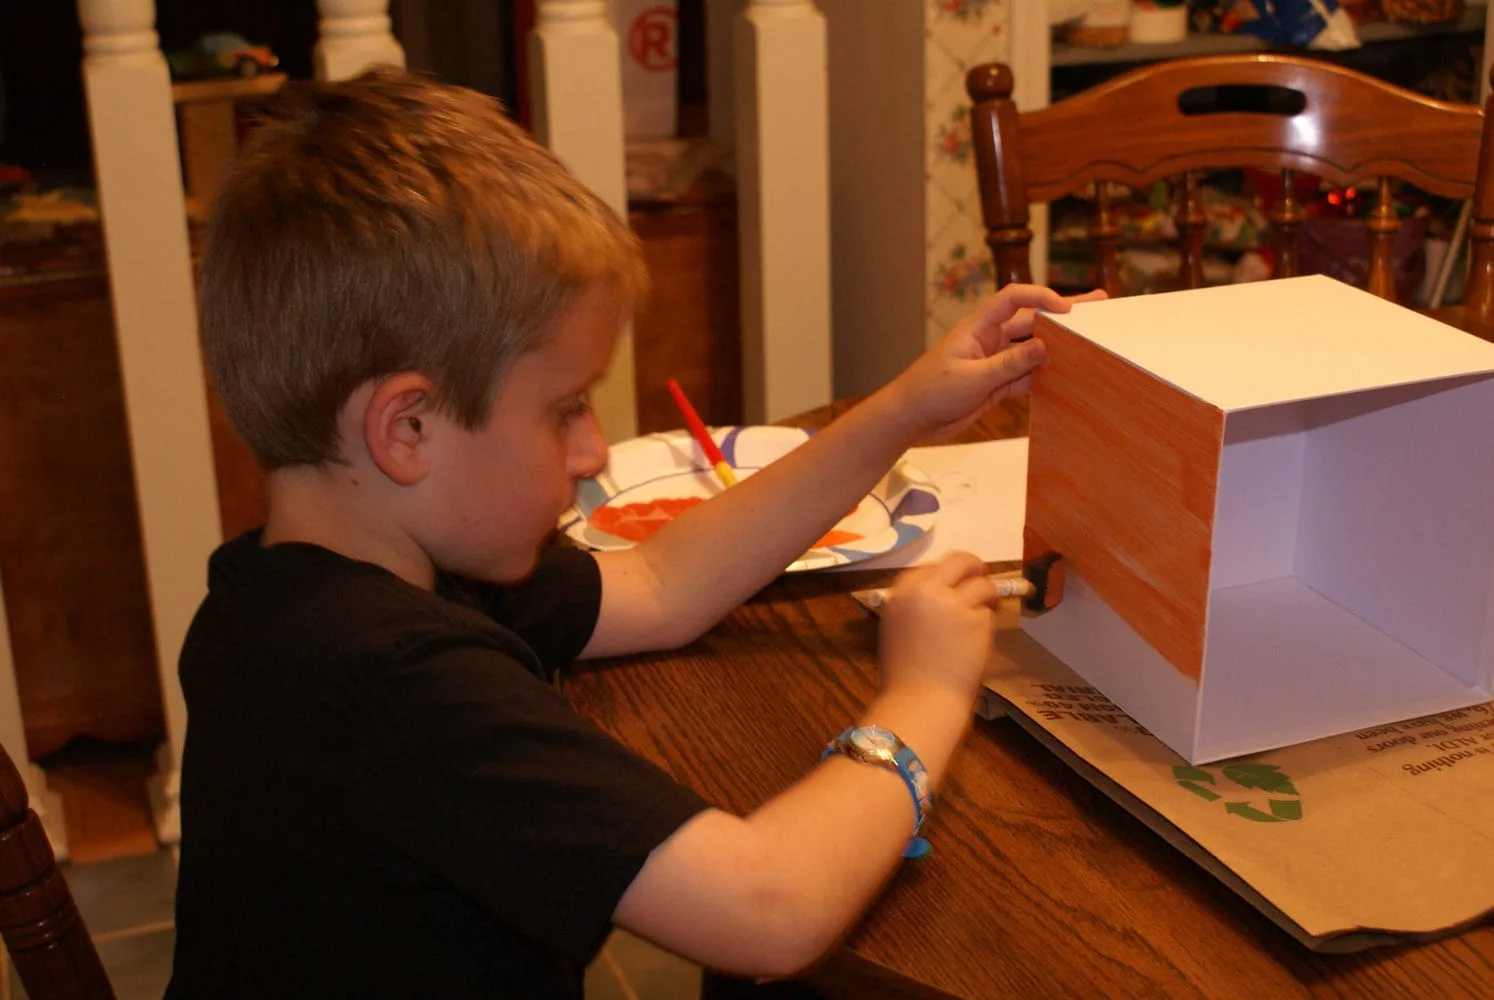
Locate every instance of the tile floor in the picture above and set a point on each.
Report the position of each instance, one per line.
(127, 904)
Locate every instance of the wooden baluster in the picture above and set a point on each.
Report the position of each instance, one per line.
(994, 129)
(1286, 228)
(1191, 222)
(1104, 232)
(575, 75)
(721, 73)
(353, 35)
(1383, 225)
(783, 201)
(144, 215)
(46, 938)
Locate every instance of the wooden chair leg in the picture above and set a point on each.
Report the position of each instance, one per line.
(47, 940)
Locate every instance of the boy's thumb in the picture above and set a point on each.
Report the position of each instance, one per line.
(1017, 361)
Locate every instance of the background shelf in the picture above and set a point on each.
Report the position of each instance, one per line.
(1472, 19)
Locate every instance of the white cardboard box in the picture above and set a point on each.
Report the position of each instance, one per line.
(1276, 505)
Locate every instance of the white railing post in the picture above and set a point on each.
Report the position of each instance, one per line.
(353, 35)
(155, 320)
(783, 177)
(575, 79)
(1030, 57)
(44, 801)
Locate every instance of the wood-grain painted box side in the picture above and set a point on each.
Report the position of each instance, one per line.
(1123, 473)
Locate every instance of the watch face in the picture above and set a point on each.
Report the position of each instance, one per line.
(874, 741)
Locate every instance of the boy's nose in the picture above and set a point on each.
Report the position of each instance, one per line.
(588, 449)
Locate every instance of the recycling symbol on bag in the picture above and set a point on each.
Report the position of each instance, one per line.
(1267, 778)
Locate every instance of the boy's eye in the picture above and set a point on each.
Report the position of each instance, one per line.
(575, 408)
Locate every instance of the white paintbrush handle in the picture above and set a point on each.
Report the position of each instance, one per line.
(1006, 586)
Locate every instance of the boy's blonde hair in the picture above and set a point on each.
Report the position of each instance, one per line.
(384, 224)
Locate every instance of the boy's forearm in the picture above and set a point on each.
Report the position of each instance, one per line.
(720, 553)
(788, 881)
(849, 821)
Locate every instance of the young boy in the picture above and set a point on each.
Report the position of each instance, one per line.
(405, 304)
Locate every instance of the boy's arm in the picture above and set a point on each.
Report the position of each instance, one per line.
(708, 560)
(769, 893)
(698, 567)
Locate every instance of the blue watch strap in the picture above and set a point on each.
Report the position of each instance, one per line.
(906, 763)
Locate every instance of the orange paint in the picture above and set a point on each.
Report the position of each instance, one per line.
(1122, 472)
(637, 522)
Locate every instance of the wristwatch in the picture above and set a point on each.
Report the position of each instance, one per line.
(881, 747)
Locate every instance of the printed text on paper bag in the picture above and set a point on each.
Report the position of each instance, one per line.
(1463, 735)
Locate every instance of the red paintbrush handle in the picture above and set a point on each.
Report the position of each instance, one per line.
(692, 420)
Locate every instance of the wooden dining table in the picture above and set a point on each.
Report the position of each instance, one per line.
(1038, 885)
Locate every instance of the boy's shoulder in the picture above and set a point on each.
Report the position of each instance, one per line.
(310, 581)
(296, 603)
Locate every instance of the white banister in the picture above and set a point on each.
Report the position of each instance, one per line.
(353, 35)
(1030, 57)
(783, 177)
(13, 737)
(575, 79)
(155, 319)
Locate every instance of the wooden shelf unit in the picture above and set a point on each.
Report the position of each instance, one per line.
(1470, 20)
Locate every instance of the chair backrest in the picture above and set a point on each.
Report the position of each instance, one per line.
(47, 940)
(1174, 119)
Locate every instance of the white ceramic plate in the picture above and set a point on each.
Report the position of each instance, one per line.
(900, 509)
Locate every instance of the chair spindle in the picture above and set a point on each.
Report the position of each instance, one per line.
(1383, 225)
(1105, 233)
(1286, 228)
(1191, 223)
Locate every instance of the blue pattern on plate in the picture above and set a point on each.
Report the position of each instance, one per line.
(729, 447)
(915, 502)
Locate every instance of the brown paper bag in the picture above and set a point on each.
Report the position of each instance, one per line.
(1372, 837)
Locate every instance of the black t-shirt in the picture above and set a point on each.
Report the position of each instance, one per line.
(382, 795)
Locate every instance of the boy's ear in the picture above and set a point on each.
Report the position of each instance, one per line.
(397, 426)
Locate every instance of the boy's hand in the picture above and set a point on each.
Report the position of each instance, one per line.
(977, 362)
(937, 627)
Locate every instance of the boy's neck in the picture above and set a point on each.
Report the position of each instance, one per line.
(323, 507)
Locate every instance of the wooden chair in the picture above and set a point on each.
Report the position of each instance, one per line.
(47, 940)
(1163, 120)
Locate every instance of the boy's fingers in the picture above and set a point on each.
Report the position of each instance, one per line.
(979, 592)
(956, 567)
(951, 568)
(990, 330)
(1019, 327)
(1016, 362)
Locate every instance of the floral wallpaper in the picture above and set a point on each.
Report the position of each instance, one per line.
(958, 34)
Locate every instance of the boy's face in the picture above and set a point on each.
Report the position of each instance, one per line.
(504, 485)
